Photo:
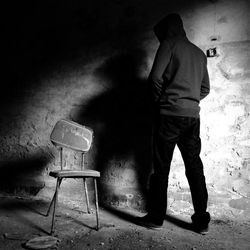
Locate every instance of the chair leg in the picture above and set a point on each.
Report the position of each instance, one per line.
(86, 194)
(59, 180)
(96, 205)
(53, 199)
(50, 205)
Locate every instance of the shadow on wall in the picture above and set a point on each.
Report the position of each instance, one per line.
(46, 36)
(23, 175)
(121, 120)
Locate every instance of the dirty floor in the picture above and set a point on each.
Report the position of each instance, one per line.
(22, 219)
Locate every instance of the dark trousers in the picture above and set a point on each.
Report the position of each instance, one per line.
(185, 133)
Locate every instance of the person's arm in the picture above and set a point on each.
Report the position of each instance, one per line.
(160, 63)
(205, 85)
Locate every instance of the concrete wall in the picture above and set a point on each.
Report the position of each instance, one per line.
(88, 61)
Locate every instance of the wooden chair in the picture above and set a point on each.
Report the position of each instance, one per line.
(68, 134)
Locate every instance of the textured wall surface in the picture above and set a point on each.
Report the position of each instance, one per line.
(89, 63)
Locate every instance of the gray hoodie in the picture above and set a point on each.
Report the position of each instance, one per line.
(179, 75)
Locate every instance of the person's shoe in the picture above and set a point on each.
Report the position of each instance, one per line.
(200, 222)
(149, 222)
(201, 229)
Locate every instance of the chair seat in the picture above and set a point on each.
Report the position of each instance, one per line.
(74, 173)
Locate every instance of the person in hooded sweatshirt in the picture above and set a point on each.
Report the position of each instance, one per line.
(179, 81)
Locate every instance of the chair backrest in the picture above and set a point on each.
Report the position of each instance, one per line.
(71, 135)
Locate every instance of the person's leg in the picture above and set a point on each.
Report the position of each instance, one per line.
(190, 147)
(166, 137)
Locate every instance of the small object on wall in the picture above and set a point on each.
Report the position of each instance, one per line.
(215, 38)
(212, 52)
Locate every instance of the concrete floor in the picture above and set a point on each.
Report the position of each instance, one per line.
(22, 219)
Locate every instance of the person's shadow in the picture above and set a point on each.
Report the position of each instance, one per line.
(120, 117)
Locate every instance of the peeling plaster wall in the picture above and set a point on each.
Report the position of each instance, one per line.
(89, 63)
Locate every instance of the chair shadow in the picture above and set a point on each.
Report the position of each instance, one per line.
(18, 207)
(33, 208)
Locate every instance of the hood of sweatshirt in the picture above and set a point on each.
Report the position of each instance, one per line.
(170, 26)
